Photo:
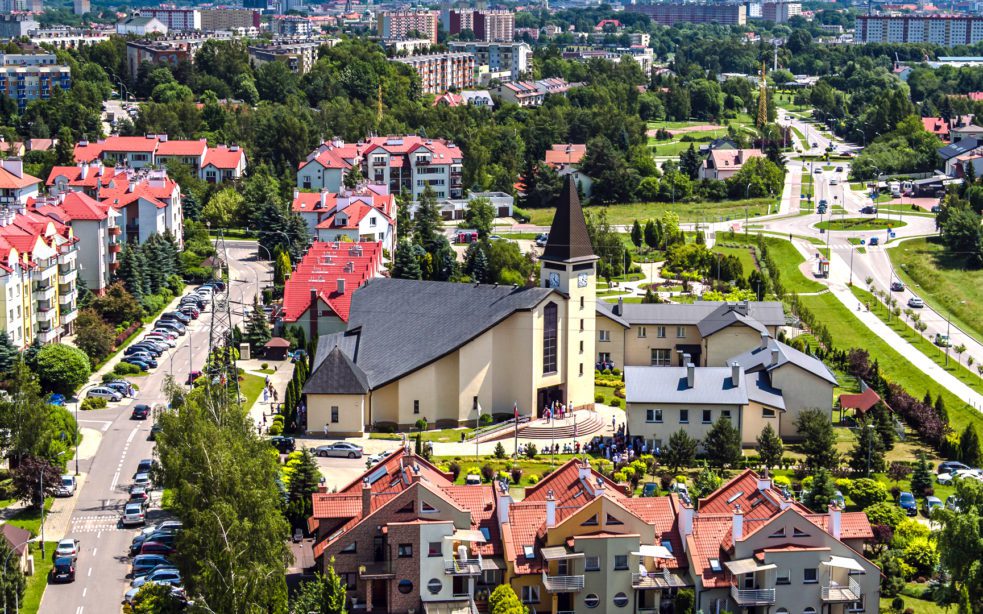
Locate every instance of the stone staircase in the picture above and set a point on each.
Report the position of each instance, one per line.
(587, 423)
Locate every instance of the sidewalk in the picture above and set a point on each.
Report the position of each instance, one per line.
(280, 378)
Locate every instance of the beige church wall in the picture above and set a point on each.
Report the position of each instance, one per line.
(351, 416)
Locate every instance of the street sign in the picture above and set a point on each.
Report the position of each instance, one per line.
(863, 241)
(890, 234)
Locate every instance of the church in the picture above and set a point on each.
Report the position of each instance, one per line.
(447, 352)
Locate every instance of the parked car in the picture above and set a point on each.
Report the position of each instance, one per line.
(650, 489)
(951, 466)
(375, 459)
(139, 494)
(897, 286)
(144, 466)
(145, 358)
(907, 502)
(142, 478)
(936, 208)
(167, 575)
(542, 239)
(156, 547)
(190, 311)
(139, 347)
(340, 448)
(136, 363)
(121, 386)
(153, 431)
(157, 337)
(285, 445)
(931, 503)
(145, 563)
(874, 241)
(133, 514)
(104, 393)
(952, 503)
(67, 487)
(63, 570)
(68, 547)
(916, 302)
(171, 325)
(177, 315)
(868, 210)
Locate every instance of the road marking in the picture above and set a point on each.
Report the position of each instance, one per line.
(99, 535)
(115, 481)
(90, 572)
(94, 550)
(132, 435)
(84, 591)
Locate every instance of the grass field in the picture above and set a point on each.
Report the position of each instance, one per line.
(859, 223)
(625, 214)
(922, 344)
(786, 257)
(743, 254)
(39, 581)
(251, 387)
(911, 594)
(847, 330)
(941, 281)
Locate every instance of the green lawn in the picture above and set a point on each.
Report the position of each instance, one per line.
(925, 346)
(39, 581)
(913, 601)
(848, 332)
(251, 387)
(30, 518)
(786, 258)
(625, 214)
(743, 254)
(859, 223)
(941, 281)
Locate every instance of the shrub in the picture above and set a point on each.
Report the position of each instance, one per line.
(533, 478)
(125, 368)
(866, 492)
(276, 428)
(782, 480)
(619, 477)
(487, 472)
(616, 372)
(265, 366)
(885, 513)
(455, 469)
(598, 398)
(615, 402)
(502, 475)
(499, 450)
(516, 474)
(62, 368)
(93, 403)
(531, 450)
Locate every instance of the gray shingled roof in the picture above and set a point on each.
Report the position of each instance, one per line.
(568, 239)
(711, 385)
(724, 316)
(958, 148)
(759, 359)
(397, 326)
(760, 390)
(767, 313)
(607, 309)
(336, 374)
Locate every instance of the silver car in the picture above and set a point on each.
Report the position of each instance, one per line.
(133, 514)
(104, 393)
(339, 448)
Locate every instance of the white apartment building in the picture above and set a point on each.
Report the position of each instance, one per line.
(947, 31)
(178, 19)
(440, 72)
(497, 56)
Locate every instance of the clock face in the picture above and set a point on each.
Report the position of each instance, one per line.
(554, 280)
(582, 280)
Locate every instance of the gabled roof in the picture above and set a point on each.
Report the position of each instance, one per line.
(401, 325)
(182, 148)
(761, 359)
(732, 159)
(724, 316)
(10, 181)
(936, 125)
(339, 375)
(224, 157)
(959, 148)
(565, 154)
(711, 386)
(568, 238)
(768, 313)
(323, 265)
(15, 537)
(79, 206)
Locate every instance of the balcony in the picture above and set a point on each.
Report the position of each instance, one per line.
(68, 317)
(66, 298)
(113, 266)
(115, 231)
(69, 277)
(839, 593)
(379, 570)
(563, 584)
(44, 292)
(46, 314)
(68, 257)
(48, 335)
(657, 580)
(752, 596)
(462, 567)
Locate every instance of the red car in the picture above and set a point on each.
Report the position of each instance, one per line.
(156, 548)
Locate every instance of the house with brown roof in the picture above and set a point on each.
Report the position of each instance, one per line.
(723, 164)
(404, 537)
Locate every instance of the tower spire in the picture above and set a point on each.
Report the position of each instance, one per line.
(568, 234)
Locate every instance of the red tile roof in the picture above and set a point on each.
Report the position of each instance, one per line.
(449, 99)
(862, 402)
(565, 154)
(322, 266)
(10, 181)
(182, 148)
(311, 201)
(705, 543)
(743, 490)
(224, 157)
(936, 125)
(335, 155)
(444, 152)
(78, 206)
(95, 175)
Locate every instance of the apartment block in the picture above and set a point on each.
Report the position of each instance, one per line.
(177, 19)
(364, 214)
(497, 56)
(299, 57)
(25, 77)
(17, 25)
(81, 7)
(408, 24)
(169, 53)
(213, 164)
(780, 12)
(671, 13)
(494, 25)
(440, 72)
(531, 93)
(63, 37)
(291, 25)
(229, 19)
(947, 31)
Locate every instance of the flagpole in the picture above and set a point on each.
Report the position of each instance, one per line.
(477, 425)
(515, 419)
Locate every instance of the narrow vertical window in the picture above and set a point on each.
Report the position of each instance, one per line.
(549, 338)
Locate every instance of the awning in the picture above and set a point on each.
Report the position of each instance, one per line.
(559, 553)
(743, 566)
(447, 607)
(654, 552)
(844, 563)
(467, 535)
(488, 564)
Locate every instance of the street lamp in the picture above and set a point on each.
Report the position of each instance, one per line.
(5, 561)
(870, 445)
(41, 483)
(747, 193)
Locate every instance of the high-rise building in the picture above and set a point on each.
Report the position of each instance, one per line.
(947, 31)
(671, 13)
(406, 24)
(780, 12)
(494, 25)
(228, 19)
(26, 78)
(180, 19)
(440, 72)
(15, 26)
(80, 7)
(498, 57)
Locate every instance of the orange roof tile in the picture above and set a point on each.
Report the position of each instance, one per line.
(224, 157)
(10, 181)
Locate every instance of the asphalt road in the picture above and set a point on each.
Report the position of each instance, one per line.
(104, 562)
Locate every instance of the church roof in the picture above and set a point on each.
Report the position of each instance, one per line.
(338, 375)
(568, 234)
(397, 326)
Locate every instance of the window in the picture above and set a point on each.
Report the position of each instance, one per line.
(680, 332)
(784, 577)
(797, 532)
(334, 414)
(604, 356)
(590, 522)
(528, 552)
(809, 576)
(653, 415)
(767, 413)
(405, 587)
(725, 414)
(809, 610)
(611, 520)
(426, 508)
(641, 332)
(581, 324)
(592, 601)
(549, 338)
(372, 221)
(660, 332)
(581, 368)
(667, 545)
(684, 416)
(620, 600)
(434, 586)
(350, 548)
(581, 302)
(620, 562)
(604, 336)
(581, 346)
(435, 549)
(349, 579)
(404, 551)
(715, 565)
(707, 416)
(592, 563)
(856, 606)
(474, 403)
(416, 406)
(660, 358)
(530, 594)
(780, 533)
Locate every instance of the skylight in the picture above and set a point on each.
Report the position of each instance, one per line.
(715, 565)
(736, 497)
(528, 552)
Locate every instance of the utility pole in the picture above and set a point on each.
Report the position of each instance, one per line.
(222, 362)
(948, 341)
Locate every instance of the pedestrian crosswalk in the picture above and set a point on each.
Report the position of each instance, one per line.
(96, 523)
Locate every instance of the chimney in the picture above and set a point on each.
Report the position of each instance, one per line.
(774, 356)
(742, 308)
(324, 199)
(735, 374)
(296, 193)
(550, 510)
(83, 170)
(341, 285)
(584, 472)
(834, 521)
(764, 340)
(162, 138)
(737, 525)
(14, 166)
(690, 374)
(620, 309)
(764, 482)
(132, 186)
(686, 514)
(366, 498)
(504, 502)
